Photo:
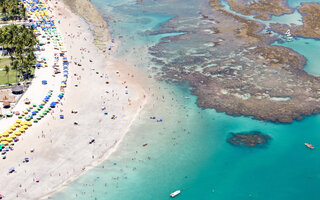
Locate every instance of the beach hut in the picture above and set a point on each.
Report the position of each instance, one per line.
(17, 89)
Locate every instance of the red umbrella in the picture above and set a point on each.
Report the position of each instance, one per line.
(17, 113)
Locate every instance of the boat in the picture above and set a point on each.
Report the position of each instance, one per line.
(309, 145)
(173, 194)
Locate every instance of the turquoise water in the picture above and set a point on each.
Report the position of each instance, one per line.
(307, 47)
(188, 150)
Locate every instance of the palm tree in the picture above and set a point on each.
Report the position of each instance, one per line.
(7, 69)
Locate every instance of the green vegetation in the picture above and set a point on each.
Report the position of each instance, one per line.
(11, 76)
(20, 42)
(12, 10)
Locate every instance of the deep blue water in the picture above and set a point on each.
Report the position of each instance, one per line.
(188, 150)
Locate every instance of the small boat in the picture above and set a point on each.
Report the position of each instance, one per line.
(173, 194)
(309, 145)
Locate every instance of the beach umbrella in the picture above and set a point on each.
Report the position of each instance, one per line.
(20, 116)
(34, 113)
(17, 113)
(29, 123)
(63, 85)
(38, 64)
(40, 106)
(9, 114)
(12, 127)
(9, 139)
(9, 130)
(35, 121)
(3, 139)
(39, 117)
(17, 133)
(18, 121)
(5, 134)
(25, 127)
(16, 124)
(27, 118)
(25, 111)
(4, 142)
(13, 136)
(44, 82)
(34, 105)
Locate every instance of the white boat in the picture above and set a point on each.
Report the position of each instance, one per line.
(288, 32)
(173, 194)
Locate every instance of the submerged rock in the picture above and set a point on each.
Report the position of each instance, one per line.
(252, 139)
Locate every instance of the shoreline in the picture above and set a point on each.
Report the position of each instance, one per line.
(134, 104)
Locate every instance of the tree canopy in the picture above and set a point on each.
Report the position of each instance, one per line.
(20, 42)
(12, 9)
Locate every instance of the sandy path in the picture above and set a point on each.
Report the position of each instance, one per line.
(62, 151)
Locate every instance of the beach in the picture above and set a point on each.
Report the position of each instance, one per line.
(61, 149)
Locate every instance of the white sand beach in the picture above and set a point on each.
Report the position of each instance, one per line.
(62, 149)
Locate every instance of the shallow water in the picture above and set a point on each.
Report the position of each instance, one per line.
(188, 150)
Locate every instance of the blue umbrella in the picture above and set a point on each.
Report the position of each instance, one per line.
(38, 65)
(44, 82)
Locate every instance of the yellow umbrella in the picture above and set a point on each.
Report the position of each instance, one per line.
(25, 112)
(17, 133)
(21, 130)
(13, 136)
(9, 139)
(3, 139)
(16, 124)
(18, 121)
(13, 127)
(29, 123)
(5, 134)
(9, 130)
(25, 127)
(5, 142)
(30, 106)
(63, 85)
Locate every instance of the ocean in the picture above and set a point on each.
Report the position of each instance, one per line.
(188, 150)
